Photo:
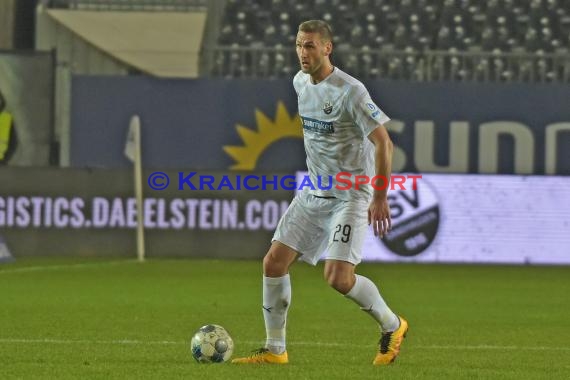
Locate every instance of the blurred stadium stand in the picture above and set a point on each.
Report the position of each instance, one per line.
(414, 40)
(419, 40)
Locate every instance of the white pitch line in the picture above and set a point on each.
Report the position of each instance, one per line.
(310, 344)
(492, 347)
(432, 347)
(64, 266)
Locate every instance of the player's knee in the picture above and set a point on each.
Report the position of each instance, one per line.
(272, 266)
(268, 263)
(341, 282)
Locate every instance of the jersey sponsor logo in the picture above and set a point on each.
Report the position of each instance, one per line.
(327, 108)
(317, 126)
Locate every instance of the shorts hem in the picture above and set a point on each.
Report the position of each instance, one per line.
(347, 259)
(302, 257)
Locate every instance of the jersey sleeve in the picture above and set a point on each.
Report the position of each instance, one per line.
(296, 82)
(365, 113)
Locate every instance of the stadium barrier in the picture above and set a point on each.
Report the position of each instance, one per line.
(445, 218)
(454, 218)
(76, 212)
(218, 124)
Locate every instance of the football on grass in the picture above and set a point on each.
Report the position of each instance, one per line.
(212, 344)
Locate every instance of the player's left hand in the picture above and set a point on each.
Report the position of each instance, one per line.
(379, 216)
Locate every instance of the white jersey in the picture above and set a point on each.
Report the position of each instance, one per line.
(337, 116)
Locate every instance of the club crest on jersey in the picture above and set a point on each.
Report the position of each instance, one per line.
(327, 108)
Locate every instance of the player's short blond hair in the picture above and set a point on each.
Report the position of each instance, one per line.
(317, 26)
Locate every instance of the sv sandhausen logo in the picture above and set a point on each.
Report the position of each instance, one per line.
(317, 126)
(327, 108)
(415, 219)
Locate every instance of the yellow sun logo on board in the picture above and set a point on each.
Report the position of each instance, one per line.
(268, 132)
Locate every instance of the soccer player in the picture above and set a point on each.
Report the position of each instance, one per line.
(343, 132)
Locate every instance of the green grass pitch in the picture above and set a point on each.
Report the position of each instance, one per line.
(102, 319)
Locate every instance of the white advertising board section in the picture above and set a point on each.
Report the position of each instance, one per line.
(477, 219)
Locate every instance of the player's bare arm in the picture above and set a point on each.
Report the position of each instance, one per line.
(379, 211)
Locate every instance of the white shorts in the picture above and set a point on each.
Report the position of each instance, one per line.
(313, 225)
